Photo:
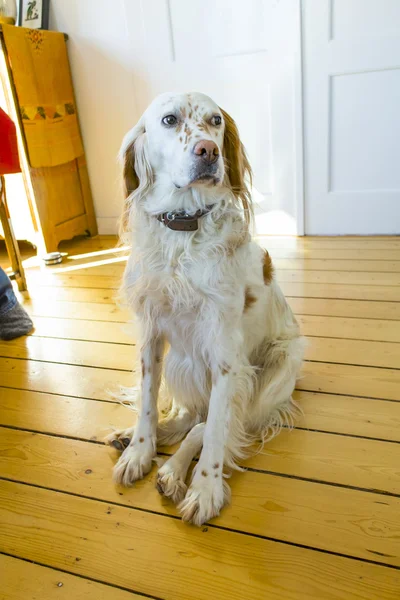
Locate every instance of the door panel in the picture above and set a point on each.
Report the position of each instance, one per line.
(351, 54)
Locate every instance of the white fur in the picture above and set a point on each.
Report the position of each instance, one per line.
(228, 371)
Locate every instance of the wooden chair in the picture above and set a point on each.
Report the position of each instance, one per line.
(9, 163)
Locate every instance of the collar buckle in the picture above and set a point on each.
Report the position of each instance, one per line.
(181, 220)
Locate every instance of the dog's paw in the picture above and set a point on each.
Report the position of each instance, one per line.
(134, 463)
(170, 484)
(120, 439)
(205, 498)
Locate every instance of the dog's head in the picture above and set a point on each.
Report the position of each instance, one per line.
(185, 141)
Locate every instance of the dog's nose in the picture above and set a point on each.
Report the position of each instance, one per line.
(207, 150)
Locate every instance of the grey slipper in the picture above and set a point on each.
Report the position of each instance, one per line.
(14, 323)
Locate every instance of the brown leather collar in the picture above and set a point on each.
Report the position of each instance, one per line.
(180, 220)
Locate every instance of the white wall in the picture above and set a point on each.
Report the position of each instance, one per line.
(98, 48)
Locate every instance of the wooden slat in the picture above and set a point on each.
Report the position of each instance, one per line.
(367, 464)
(341, 277)
(110, 266)
(22, 580)
(115, 264)
(363, 463)
(39, 306)
(41, 376)
(337, 253)
(76, 416)
(300, 305)
(62, 415)
(329, 327)
(350, 415)
(358, 329)
(56, 378)
(331, 243)
(62, 349)
(347, 242)
(262, 504)
(74, 329)
(325, 279)
(332, 307)
(338, 291)
(91, 419)
(100, 246)
(315, 264)
(90, 382)
(161, 557)
(345, 379)
(88, 295)
(40, 279)
(354, 352)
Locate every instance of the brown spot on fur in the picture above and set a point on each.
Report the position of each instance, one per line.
(183, 113)
(158, 359)
(230, 248)
(236, 241)
(187, 130)
(141, 440)
(204, 473)
(179, 128)
(143, 368)
(249, 299)
(196, 107)
(268, 269)
(216, 475)
(180, 138)
(148, 413)
(225, 369)
(190, 115)
(216, 466)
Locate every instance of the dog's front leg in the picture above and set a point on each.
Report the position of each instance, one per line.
(209, 491)
(136, 460)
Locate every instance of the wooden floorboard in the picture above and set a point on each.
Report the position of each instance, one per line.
(76, 344)
(316, 515)
(23, 579)
(69, 416)
(262, 504)
(120, 545)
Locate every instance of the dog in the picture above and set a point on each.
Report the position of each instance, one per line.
(216, 332)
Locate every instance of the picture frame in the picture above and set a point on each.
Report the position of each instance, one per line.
(34, 14)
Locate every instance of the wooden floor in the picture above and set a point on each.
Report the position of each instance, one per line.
(315, 517)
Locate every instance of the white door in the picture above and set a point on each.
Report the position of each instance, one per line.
(246, 56)
(351, 54)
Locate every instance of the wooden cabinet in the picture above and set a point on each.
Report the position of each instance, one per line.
(47, 204)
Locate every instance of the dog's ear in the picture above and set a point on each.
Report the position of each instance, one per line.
(137, 172)
(237, 166)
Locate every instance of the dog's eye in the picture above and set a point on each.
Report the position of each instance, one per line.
(216, 120)
(170, 120)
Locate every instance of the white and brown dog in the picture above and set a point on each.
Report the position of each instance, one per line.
(215, 328)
